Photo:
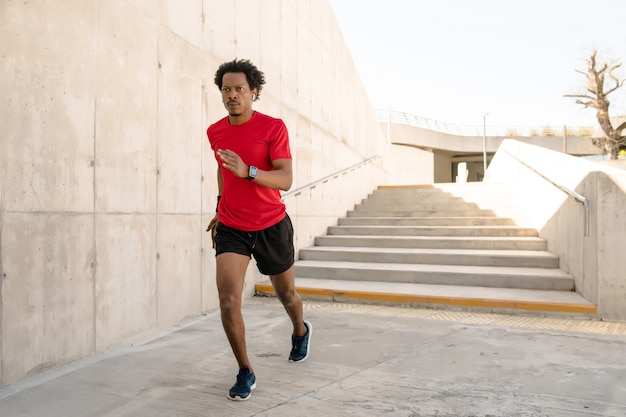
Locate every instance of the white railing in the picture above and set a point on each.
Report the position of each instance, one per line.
(322, 180)
(387, 116)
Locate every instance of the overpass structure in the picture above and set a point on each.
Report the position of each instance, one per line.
(452, 145)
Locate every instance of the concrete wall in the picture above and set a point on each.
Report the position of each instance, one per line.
(443, 167)
(596, 261)
(411, 165)
(107, 180)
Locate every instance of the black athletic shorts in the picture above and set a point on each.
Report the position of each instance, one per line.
(272, 247)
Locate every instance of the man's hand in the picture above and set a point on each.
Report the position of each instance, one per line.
(233, 162)
(211, 228)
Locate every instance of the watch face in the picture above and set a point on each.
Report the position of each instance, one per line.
(252, 172)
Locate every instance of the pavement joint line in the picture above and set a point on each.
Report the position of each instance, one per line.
(575, 325)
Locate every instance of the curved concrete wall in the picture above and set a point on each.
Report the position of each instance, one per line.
(107, 180)
(596, 261)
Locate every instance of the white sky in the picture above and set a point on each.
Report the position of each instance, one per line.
(455, 60)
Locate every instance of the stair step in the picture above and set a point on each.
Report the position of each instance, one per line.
(426, 221)
(419, 197)
(416, 198)
(455, 188)
(428, 205)
(482, 276)
(494, 198)
(434, 212)
(435, 242)
(433, 230)
(469, 298)
(442, 245)
(475, 257)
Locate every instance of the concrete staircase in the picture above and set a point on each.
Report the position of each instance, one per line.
(459, 246)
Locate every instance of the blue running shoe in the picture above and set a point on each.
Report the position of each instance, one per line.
(301, 345)
(246, 382)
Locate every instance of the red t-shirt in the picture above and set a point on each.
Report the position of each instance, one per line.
(246, 205)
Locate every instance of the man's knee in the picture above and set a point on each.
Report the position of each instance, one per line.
(287, 295)
(230, 303)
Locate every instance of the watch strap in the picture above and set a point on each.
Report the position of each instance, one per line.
(252, 171)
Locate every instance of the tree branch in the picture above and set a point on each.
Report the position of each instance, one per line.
(597, 98)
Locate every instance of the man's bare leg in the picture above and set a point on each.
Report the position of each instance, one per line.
(284, 285)
(231, 272)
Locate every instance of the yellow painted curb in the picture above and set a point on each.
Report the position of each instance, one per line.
(454, 301)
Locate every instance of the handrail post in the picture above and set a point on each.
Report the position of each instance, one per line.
(586, 204)
(485, 144)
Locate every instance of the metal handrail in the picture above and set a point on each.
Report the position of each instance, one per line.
(578, 197)
(313, 184)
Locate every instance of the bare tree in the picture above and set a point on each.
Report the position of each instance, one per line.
(596, 97)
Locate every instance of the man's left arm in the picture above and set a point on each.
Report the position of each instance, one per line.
(280, 177)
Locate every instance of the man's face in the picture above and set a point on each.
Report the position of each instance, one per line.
(236, 93)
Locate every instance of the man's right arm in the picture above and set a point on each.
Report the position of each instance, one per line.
(220, 187)
(220, 181)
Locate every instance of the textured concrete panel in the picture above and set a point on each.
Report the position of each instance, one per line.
(126, 110)
(47, 111)
(269, 36)
(149, 8)
(125, 277)
(288, 41)
(180, 126)
(417, 165)
(316, 63)
(302, 65)
(248, 27)
(210, 300)
(179, 268)
(220, 29)
(212, 111)
(184, 20)
(612, 239)
(47, 288)
(1, 284)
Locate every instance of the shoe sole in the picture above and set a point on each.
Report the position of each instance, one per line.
(238, 398)
(310, 327)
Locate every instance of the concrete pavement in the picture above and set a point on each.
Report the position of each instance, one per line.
(365, 361)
